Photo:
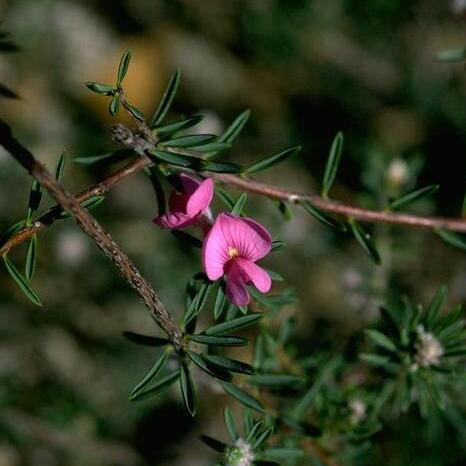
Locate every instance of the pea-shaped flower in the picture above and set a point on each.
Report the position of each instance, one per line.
(231, 248)
(187, 205)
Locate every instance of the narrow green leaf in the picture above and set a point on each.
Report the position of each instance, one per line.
(455, 351)
(235, 128)
(413, 196)
(281, 454)
(364, 239)
(212, 148)
(272, 160)
(167, 100)
(255, 429)
(305, 402)
(276, 380)
(145, 340)
(60, 168)
(381, 340)
(114, 106)
(92, 202)
(248, 421)
(454, 239)
(198, 302)
(220, 302)
(225, 197)
(277, 245)
(222, 167)
(219, 341)
(158, 189)
(449, 319)
(234, 324)
(99, 88)
(6, 91)
(451, 55)
(239, 204)
(322, 217)
(230, 364)
(214, 443)
(262, 438)
(332, 164)
(243, 397)
(284, 209)
(21, 281)
(434, 307)
(35, 196)
(11, 231)
(187, 390)
(179, 125)
(189, 141)
(135, 112)
(161, 383)
(88, 204)
(173, 159)
(150, 376)
(109, 157)
(123, 67)
(186, 238)
(375, 359)
(31, 258)
(230, 424)
(211, 369)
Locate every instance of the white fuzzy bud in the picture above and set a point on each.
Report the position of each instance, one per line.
(428, 349)
(398, 172)
(358, 411)
(239, 455)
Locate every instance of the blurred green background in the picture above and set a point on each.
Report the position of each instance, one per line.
(307, 69)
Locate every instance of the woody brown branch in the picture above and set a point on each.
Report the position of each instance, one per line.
(139, 145)
(94, 230)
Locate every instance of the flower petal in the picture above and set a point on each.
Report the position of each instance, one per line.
(188, 184)
(236, 290)
(251, 239)
(215, 252)
(253, 273)
(200, 199)
(178, 202)
(172, 220)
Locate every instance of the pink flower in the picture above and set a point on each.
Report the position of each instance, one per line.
(187, 206)
(231, 248)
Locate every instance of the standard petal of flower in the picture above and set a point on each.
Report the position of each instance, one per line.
(215, 252)
(253, 273)
(236, 290)
(250, 239)
(201, 197)
(188, 184)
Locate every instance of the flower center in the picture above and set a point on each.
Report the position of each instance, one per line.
(232, 252)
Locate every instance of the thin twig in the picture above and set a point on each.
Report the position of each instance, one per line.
(49, 217)
(93, 229)
(134, 142)
(365, 215)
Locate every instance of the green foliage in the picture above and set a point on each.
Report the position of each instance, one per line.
(332, 164)
(166, 101)
(21, 281)
(272, 160)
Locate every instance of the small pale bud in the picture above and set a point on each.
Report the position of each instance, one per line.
(398, 172)
(428, 349)
(239, 455)
(358, 410)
